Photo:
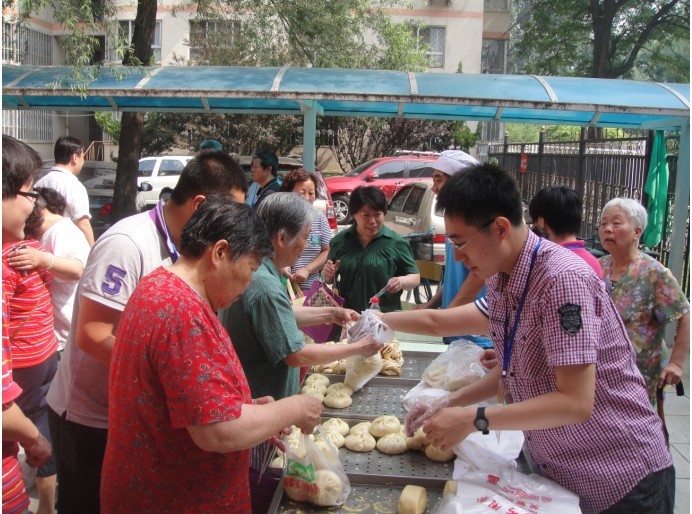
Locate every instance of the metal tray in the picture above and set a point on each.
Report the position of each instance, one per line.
(366, 497)
(379, 397)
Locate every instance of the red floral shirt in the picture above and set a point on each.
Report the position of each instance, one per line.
(173, 366)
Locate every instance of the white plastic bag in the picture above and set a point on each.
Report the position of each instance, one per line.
(423, 392)
(315, 475)
(479, 452)
(509, 490)
(457, 367)
(359, 370)
(370, 324)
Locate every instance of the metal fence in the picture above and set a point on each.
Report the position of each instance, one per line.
(600, 170)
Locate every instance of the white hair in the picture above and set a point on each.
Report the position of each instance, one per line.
(634, 210)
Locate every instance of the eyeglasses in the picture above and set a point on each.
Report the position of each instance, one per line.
(460, 247)
(31, 196)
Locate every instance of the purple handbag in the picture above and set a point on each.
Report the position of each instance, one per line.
(320, 295)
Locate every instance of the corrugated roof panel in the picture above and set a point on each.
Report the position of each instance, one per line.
(338, 80)
(464, 85)
(235, 78)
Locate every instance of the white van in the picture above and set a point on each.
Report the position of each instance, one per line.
(158, 172)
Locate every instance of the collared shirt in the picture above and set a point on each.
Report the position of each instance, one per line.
(271, 187)
(568, 319)
(578, 248)
(122, 256)
(263, 329)
(363, 271)
(67, 184)
(160, 222)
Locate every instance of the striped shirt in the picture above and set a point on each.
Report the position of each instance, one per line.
(320, 236)
(31, 333)
(14, 497)
(568, 319)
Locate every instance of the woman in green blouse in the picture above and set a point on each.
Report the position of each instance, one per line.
(368, 256)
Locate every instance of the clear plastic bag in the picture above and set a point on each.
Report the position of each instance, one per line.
(359, 370)
(314, 472)
(457, 367)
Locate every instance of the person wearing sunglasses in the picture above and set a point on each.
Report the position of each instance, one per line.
(566, 374)
(19, 165)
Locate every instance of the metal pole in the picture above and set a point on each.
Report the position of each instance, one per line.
(309, 134)
(682, 201)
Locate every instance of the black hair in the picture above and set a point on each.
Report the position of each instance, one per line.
(481, 194)
(208, 172)
(268, 160)
(52, 200)
(65, 148)
(371, 196)
(20, 163)
(166, 191)
(560, 207)
(219, 217)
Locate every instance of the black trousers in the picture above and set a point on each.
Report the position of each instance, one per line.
(79, 452)
(655, 494)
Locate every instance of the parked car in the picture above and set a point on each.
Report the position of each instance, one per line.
(387, 173)
(99, 179)
(323, 201)
(413, 210)
(159, 172)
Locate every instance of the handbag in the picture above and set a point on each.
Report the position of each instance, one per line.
(320, 295)
(295, 293)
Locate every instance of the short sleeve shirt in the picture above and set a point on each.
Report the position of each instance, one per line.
(568, 319)
(647, 297)
(67, 184)
(14, 497)
(363, 271)
(263, 329)
(64, 239)
(319, 237)
(129, 250)
(173, 366)
(32, 336)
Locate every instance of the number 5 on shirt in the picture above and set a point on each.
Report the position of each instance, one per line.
(114, 280)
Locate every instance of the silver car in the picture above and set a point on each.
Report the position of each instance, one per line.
(413, 211)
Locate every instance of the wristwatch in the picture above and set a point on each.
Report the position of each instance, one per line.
(481, 421)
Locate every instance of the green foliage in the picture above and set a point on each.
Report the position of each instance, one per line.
(604, 38)
(109, 125)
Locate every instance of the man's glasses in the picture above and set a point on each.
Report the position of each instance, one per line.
(460, 247)
(30, 195)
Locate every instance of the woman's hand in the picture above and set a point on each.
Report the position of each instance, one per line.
(343, 316)
(29, 258)
(300, 275)
(488, 358)
(451, 425)
(330, 269)
(309, 410)
(395, 284)
(286, 272)
(670, 375)
(39, 452)
(368, 346)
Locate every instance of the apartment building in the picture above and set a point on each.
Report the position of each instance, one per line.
(464, 35)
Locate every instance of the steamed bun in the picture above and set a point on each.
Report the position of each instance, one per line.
(316, 378)
(359, 428)
(336, 425)
(339, 387)
(385, 425)
(392, 444)
(337, 400)
(362, 442)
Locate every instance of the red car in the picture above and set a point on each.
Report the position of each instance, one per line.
(387, 173)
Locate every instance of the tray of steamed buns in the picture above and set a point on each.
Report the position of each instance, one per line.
(378, 397)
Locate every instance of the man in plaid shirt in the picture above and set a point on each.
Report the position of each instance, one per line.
(566, 368)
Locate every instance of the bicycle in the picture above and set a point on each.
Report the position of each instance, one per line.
(422, 248)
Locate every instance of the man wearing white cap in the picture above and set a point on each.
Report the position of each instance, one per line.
(459, 287)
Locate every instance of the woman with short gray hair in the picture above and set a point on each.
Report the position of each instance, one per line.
(646, 295)
(263, 324)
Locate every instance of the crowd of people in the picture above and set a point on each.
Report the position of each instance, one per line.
(141, 369)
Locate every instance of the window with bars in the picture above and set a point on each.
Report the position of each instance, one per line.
(435, 38)
(24, 45)
(126, 30)
(220, 33)
(494, 56)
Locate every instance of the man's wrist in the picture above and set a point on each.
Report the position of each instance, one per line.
(31, 442)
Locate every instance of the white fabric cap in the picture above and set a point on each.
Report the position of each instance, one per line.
(452, 162)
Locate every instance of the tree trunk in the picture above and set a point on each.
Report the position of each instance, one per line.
(130, 142)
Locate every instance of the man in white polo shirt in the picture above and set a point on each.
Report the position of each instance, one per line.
(69, 159)
(129, 250)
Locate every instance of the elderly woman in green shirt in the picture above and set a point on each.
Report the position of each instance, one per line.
(368, 256)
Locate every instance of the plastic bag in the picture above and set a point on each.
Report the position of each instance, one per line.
(480, 493)
(370, 324)
(314, 472)
(457, 367)
(479, 452)
(359, 370)
(449, 504)
(422, 410)
(423, 392)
